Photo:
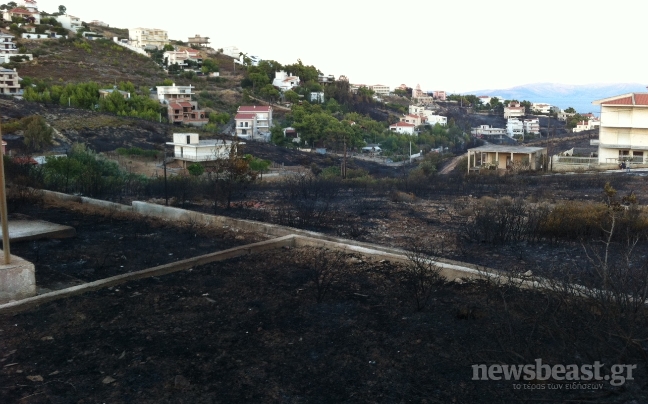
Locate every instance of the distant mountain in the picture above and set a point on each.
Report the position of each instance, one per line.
(564, 95)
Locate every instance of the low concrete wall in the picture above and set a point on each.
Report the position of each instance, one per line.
(171, 213)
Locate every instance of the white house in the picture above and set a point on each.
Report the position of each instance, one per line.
(402, 127)
(69, 22)
(253, 122)
(541, 108)
(317, 96)
(181, 56)
(514, 127)
(487, 130)
(416, 109)
(148, 38)
(532, 126)
(285, 81)
(624, 128)
(563, 116)
(434, 119)
(188, 148)
(513, 110)
(587, 124)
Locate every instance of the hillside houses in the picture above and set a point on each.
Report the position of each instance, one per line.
(253, 122)
(285, 81)
(25, 9)
(514, 110)
(180, 106)
(9, 82)
(188, 148)
(403, 128)
(587, 124)
(148, 38)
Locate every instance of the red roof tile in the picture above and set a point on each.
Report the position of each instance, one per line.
(402, 124)
(641, 99)
(244, 116)
(175, 105)
(21, 10)
(620, 101)
(185, 104)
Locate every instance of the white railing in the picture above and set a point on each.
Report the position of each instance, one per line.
(575, 160)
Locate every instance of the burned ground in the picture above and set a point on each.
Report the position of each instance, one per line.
(251, 329)
(111, 243)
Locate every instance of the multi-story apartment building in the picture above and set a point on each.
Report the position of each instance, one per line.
(380, 89)
(151, 38)
(254, 122)
(541, 108)
(7, 44)
(486, 131)
(514, 127)
(9, 82)
(587, 124)
(415, 120)
(180, 107)
(532, 126)
(514, 110)
(623, 131)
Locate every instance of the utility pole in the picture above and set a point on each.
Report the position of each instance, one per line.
(3, 210)
(166, 196)
(344, 161)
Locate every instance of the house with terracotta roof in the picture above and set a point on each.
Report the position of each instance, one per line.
(414, 119)
(285, 81)
(180, 107)
(623, 133)
(586, 124)
(253, 122)
(514, 110)
(402, 127)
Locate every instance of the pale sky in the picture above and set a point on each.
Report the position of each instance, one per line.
(450, 45)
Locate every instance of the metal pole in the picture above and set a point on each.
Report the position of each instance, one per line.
(166, 196)
(3, 210)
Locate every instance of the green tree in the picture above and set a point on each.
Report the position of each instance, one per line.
(570, 110)
(38, 134)
(62, 9)
(196, 169)
(269, 92)
(291, 96)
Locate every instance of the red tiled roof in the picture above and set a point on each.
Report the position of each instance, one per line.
(254, 108)
(21, 10)
(175, 105)
(185, 104)
(620, 101)
(641, 99)
(244, 116)
(402, 124)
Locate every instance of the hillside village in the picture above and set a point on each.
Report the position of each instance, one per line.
(234, 228)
